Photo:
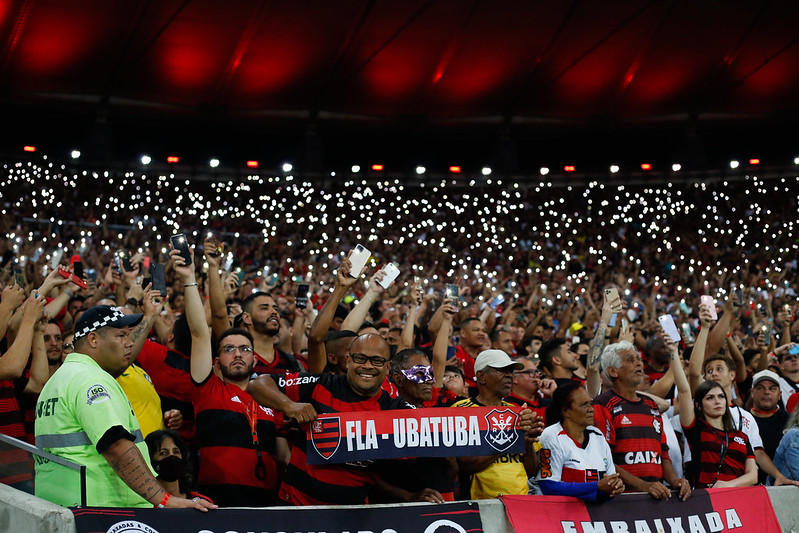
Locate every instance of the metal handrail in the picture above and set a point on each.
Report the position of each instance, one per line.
(81, 469)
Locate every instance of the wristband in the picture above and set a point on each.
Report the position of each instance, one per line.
(193, 284)
(163, 502)
(133, 301)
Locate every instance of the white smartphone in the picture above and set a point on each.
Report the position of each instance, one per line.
(612, 294)
(668, 325)
(358, 258)
(709, 301)
(58, 253)
(391, 273)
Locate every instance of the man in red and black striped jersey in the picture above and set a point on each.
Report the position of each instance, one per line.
(239, 446)
(302, 395)
(261, 317)
(633, 427)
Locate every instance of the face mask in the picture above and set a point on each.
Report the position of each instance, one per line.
(169, 468)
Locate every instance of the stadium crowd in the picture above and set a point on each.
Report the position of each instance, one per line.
(550, 298)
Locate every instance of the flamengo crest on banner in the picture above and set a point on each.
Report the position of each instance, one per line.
(326, 435)
(433, 432)
(501, 424)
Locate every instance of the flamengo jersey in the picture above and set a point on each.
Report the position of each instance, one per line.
(283, 363)
(306, 484)
(564, 459)
(634, 431)
(228, 458)
(707, 443)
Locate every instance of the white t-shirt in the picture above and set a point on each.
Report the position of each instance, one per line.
(786, 390)
(744, 421)
(564, 459)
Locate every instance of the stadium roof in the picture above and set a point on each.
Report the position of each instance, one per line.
(513, 84)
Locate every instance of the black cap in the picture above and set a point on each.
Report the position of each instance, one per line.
(101, 316)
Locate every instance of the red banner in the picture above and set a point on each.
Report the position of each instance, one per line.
(434, 432)
(706, 511)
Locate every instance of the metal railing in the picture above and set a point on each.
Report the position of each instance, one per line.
(81, 469)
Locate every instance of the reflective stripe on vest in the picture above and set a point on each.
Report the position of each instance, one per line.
(79, 438)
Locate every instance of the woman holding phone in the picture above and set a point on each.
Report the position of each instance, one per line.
(722, 455)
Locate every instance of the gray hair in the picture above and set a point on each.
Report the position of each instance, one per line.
(611, 355)
(793, 420)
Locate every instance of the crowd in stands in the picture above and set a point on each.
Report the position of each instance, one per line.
(549, 298)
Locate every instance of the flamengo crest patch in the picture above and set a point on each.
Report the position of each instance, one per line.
(501, 425)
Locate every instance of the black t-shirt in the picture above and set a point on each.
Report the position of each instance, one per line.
(771, 433)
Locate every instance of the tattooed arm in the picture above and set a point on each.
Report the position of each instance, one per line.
(153, 304)
(128, 463)
(598, 344)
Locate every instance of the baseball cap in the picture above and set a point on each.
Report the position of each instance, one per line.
(765, 374)
(575, 327)
(101, 316)
(495, 359)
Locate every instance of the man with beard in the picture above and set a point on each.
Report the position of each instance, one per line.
(239, 447)
(54, 344)
(769, 416)
(559, 360)
(261, 318)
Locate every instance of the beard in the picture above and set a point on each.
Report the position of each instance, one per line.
(265, 328)
(237, 373)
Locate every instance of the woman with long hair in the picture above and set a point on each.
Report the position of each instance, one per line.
(171, 461)
(575, 457)
(721, 455)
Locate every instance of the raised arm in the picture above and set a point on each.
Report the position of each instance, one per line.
(13, 362)
(406, 339)
(13, 296)
(39, 371)
(358, 315)
(152, 304)
(201, 356)
(442, 343)
(697, 361)
(684, 394)
(592, 370)
(216, 293)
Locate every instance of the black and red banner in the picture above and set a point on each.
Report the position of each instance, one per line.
(457, 517)
(434, 432)
(706, 511)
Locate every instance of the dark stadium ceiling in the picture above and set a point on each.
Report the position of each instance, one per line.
(329, 83)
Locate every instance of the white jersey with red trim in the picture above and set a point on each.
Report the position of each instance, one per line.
(564, 459)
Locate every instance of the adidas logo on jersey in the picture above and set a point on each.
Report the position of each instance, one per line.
(625, 421)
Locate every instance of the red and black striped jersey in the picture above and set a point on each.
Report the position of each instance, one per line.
(283, 363)
(17, 465)
(708, 444)
(343, 484)
(230, 470)
(634, 431)
(539, 406)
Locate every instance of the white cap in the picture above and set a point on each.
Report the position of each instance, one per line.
(495, 359)
(765, 374)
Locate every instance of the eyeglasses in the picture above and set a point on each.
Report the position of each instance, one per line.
(376, 360)
(229, 348)
(532, 372)
(419, 373)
